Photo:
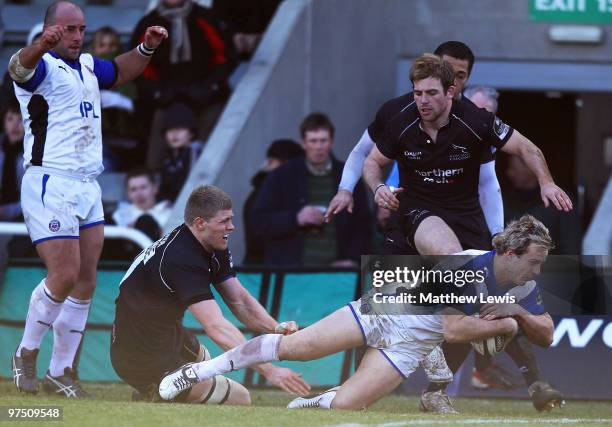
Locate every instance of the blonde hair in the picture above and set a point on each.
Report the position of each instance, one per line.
(205, 201)
(519, 234)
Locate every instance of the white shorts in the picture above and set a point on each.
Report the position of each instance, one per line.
(404, 340)
(57, 204)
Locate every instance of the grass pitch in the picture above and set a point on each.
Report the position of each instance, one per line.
(113, 408)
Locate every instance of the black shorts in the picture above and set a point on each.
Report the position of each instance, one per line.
(144, 371)
(471, 229)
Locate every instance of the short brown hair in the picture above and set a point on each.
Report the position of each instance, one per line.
(316, 121)
(138, 172)
(430, 65)
(519, 234)
(205, 201)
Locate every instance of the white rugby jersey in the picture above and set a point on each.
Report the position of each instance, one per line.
(60, 106)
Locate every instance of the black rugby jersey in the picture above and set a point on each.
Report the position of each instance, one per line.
(441, 174)
(166, 278)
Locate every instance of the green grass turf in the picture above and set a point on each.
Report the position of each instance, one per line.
(113, 408)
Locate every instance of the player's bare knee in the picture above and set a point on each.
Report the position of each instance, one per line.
(62, 282)
(239, 395)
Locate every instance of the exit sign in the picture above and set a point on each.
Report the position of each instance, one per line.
(575, 11)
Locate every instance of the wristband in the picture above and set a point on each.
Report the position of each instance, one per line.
(378, 187)
(145, 51)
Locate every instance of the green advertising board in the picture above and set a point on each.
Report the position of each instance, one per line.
(571, 11)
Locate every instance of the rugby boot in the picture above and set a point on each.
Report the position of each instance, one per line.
(24, 371)
(544, 397)
(312, 401)
(66, 385)
(437, 402)
(177, 381)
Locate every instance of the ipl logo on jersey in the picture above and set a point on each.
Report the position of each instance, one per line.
(86, 107)
(54, 225)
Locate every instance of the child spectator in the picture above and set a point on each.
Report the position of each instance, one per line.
(182, 151)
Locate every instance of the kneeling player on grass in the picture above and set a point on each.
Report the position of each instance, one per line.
(396, 343)
(172, 275)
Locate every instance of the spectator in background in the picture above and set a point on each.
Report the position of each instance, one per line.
(484, 97)
(120, 128)
(143, 212)
(279, 152)
(247, 20)
(11, 163)
(182, 151)
(7, 90)
(524, 198)
(192, 67)
(288, 212)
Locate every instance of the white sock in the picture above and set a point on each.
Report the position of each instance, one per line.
(326, 399)
(68, 330)
(43, 310)
(261, 349)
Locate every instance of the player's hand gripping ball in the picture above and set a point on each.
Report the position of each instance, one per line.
(495, 345)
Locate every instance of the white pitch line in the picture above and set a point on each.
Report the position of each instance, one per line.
(480, 421)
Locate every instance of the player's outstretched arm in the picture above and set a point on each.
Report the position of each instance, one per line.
(535, 161)
(227, 336)
(372, 174)
(132, 63)
(460, 328)
(249, 311)
(539, 328)
(350, 176)
(23, 63)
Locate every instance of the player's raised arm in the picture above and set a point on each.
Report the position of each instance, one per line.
(534, 159)
(131, 64)
(23, 63)
(372, 174)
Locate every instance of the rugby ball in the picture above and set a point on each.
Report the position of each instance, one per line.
(493, 345)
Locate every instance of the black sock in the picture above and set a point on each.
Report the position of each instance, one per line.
(521, 352)
(436, 386)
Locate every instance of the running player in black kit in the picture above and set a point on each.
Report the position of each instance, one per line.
(174, 274)
(439, 148)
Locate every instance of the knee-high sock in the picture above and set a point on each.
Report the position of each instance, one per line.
(43, 311)
(520, 351)
(68, 329)
(261, 349)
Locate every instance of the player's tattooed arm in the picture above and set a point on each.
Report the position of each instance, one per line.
(535, 161)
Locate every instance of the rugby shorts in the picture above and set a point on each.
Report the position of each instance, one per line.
(470, 228)
(58, 204)
(404, 340)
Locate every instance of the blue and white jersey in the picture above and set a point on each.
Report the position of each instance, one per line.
(60, 106)
(527, 295)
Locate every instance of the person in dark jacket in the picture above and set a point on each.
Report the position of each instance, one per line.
(279, 153)
(192, 66)
(289, 209)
